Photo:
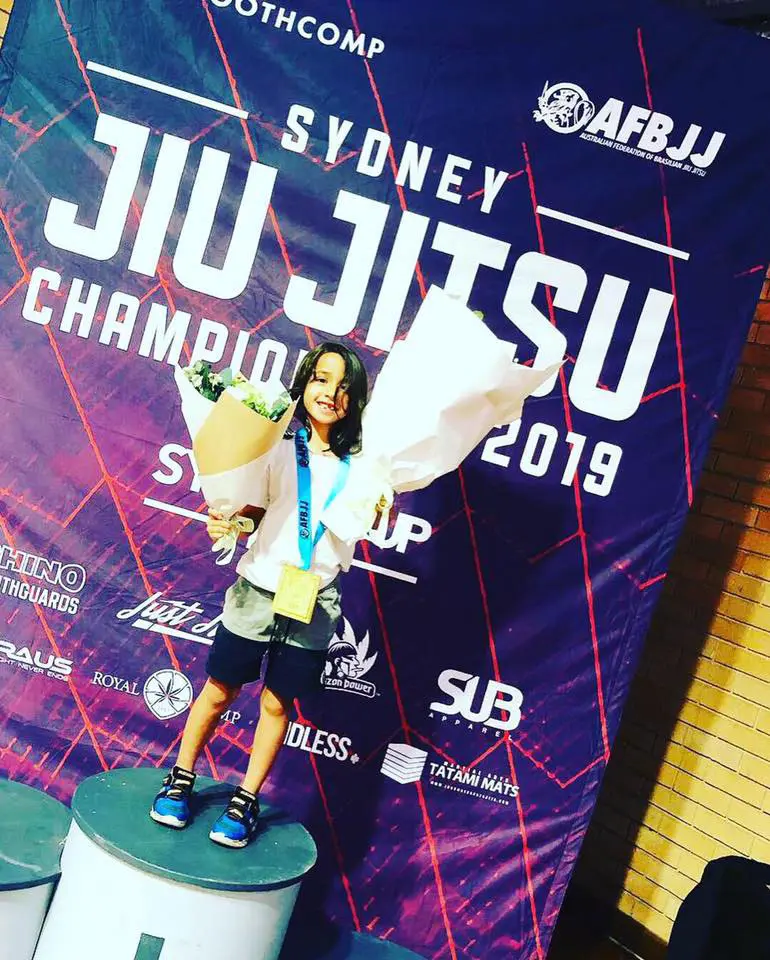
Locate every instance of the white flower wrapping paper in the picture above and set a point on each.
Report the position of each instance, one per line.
(231, 444)
(438, 394)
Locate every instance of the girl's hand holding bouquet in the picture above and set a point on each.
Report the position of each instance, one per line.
(438, 394)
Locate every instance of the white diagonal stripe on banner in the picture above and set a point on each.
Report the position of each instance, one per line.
(611, 232)
(385, 571)
(173, 508)
(165, 88)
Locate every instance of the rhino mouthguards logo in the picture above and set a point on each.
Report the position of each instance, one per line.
(58, 586)
(347, 661)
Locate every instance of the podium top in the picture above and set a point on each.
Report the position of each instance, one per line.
(345, 945)
(363, 947)
(31, 837)
(112, 809)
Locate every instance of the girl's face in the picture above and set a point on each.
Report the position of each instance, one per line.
(324, 399)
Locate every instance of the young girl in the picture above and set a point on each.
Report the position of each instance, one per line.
(306, 472)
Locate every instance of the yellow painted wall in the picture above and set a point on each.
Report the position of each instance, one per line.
(5, 9)
(689, 780)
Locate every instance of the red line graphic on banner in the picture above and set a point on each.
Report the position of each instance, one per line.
(70, 385)
(672, 276)
(497, 675)
(246, 133)
(407, 736)
(62, 115)
(575, 484)
(482, 191)
(333, 833)
(386, 129)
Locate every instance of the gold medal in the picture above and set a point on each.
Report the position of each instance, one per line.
(296, 594)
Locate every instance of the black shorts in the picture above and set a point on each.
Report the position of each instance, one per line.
(291, 671)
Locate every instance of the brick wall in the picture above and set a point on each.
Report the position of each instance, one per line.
(690, 776)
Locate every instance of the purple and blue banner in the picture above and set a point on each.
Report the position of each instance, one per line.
(237, 181)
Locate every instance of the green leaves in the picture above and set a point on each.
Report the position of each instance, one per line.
(212, 385)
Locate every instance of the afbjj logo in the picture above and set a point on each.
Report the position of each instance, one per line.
(564, 107)
(629, 128)
(347, 661)
(167, 693)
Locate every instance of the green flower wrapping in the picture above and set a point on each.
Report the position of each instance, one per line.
(212, 385)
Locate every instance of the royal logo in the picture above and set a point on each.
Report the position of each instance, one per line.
(564, 107)
(111, 682)
(347, 662)
(167, 693)
(567, 108)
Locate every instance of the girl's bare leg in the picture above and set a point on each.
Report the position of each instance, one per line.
(202, 720)
(268, 738)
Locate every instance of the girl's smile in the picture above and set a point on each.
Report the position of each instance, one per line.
(325, 398)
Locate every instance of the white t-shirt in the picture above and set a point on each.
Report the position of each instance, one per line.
(276, 541)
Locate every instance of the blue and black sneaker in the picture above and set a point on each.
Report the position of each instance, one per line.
(238, 824)
(171, 807)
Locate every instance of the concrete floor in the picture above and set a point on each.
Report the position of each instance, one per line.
(562, 949)
(580, 935)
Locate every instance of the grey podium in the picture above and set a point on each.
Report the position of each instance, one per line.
(345, 945)
(133, 890)
(32, 831)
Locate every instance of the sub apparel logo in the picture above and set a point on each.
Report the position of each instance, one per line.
(496, 705)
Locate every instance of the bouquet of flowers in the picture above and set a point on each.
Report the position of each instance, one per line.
(438, 394)
(233, 425)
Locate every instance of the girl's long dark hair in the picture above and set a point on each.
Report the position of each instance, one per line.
(345, 434)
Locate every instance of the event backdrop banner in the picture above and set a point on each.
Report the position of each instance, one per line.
(238, 181)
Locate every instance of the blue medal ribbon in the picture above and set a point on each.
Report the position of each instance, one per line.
(308, 540)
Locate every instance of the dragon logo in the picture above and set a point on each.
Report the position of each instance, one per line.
(347, 661)
(564, 107)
